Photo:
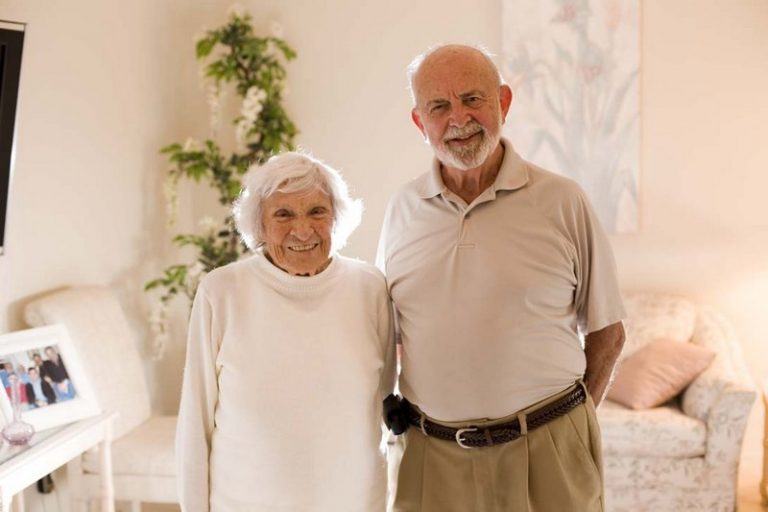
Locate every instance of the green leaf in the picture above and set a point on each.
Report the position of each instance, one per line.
(288, 52)
(234, 187)
(152, 284)
(205, 46)
(171, 148)
(197, 170)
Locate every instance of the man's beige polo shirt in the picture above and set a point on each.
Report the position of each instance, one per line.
(490, 297)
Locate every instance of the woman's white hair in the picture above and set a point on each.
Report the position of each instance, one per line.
(294, 172)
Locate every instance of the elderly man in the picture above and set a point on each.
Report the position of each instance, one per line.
(498, 270)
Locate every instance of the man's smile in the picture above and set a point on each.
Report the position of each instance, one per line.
(464, 139)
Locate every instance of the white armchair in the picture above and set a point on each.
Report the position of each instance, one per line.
(143, 450)
(684, 455)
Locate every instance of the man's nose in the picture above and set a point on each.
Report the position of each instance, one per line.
(459, 115)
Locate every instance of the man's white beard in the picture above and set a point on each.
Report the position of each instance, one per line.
(469, 156)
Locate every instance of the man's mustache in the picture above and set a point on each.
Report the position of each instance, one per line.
(460, 132)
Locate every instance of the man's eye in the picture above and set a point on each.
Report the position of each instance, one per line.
(473, 100)
(280, 214)
(437, 108)
(319, 211)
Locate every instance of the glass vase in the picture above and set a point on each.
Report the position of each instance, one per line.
(17, 432)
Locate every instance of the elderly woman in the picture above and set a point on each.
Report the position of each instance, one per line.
(290, 354)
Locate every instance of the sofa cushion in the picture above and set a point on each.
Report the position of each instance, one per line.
(147, 450)
(652, 316)
(660, 432)
(658, 372)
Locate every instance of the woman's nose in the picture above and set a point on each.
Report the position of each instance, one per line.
(302, 229)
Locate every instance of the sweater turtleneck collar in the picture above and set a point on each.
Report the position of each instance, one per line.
(286, 280)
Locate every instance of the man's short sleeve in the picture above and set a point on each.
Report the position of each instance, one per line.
(597, 298)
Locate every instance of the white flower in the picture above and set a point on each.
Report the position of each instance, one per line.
(271, 50)
(253, 103)
(276, 29)
(202, 78)
(215, 97)
(159, 343)
(192, 144)
(158, 324)
(208, 224)
(195, 274)
(241, 133)
(236, 10)
(195, 270)
(254, 94)
(170, 193)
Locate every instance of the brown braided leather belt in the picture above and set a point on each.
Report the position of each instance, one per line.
(477, 437)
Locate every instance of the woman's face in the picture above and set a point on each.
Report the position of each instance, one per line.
(297, 230)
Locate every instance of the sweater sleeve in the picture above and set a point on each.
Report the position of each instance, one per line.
(199, 395)
(387, 337)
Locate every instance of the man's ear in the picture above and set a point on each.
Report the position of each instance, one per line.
(416, 118)
(505, 100)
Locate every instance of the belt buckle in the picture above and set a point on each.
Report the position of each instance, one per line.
(460, 440)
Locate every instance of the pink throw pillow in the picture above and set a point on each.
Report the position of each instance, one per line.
(658, 372)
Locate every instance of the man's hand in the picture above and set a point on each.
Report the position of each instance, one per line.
(602, 348)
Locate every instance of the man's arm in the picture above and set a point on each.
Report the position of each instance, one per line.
(602, 349)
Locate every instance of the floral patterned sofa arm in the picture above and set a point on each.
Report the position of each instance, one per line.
(726, 425)
(727, 371)
(723, 395)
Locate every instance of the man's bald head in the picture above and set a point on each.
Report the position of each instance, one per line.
(460, 103)
(452, 56)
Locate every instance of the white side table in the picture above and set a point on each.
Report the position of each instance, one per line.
(50, 449)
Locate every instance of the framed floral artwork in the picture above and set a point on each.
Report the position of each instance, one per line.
(574, 68)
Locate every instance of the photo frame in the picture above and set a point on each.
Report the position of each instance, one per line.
(56, 389)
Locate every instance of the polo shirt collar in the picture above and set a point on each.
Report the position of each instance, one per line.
(513, 174)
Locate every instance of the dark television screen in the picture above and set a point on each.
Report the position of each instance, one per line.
(11, 42)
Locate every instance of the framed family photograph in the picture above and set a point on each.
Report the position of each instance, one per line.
(52, 387)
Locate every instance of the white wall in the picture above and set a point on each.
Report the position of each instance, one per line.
(103, 87)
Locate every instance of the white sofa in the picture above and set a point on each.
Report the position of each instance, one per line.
(684, 455)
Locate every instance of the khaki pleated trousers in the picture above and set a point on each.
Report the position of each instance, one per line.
(554, 468)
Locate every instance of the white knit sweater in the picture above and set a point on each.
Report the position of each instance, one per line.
(281, 400)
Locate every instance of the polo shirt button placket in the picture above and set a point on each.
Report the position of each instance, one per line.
(465, 241)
